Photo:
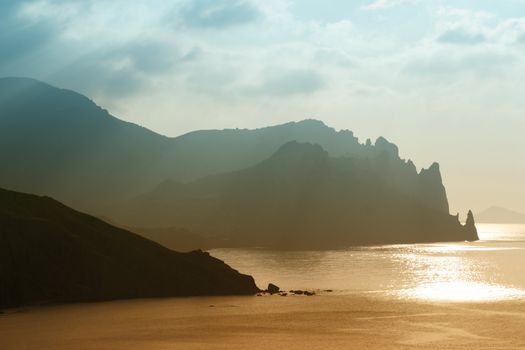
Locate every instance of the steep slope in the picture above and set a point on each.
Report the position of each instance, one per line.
(499, 215)
(59, 143)
(302, 198)
(182, 240)
(51, 253)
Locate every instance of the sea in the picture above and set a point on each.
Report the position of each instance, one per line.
(490, 269)
(356, 307)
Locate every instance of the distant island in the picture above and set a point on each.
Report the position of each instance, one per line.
(294, 186)
(500, 215)
(50, 253)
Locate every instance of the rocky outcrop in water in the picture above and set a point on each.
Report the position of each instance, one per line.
(470, 225)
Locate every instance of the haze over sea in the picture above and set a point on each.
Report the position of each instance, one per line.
(490, 269)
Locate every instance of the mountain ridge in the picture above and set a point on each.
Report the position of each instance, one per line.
(80, 154)
(300, 197)
(60, 143)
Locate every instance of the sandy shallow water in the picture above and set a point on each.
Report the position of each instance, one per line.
(292, 322)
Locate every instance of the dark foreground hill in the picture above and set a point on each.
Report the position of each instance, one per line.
(302, 198)
(51, 253)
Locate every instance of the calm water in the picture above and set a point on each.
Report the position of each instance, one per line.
(490, 269)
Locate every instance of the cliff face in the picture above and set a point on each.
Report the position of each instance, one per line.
(50, 253)
(302, 198)
(433, 192)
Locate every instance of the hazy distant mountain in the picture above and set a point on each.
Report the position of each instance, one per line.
(499, 215)
(59, 143)
(301, 197)
(50, 253)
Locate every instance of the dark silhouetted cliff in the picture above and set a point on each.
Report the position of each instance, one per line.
(302, 198)
(51, 253)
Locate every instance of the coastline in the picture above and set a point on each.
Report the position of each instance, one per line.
(246, 322)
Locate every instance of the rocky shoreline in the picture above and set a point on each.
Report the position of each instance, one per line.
(273, 289)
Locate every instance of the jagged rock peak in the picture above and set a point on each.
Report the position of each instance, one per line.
(470, 227)
(434, 167)
(384, 145)
(411, 165)
(470, 219)
(432, 172)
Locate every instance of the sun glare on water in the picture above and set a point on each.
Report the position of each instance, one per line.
(444, 273)
(463, 291)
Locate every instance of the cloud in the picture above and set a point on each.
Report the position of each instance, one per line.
(212, 79)
(386, 4)
(218, 13)
(51, 40)
(289, 82)
(446, 67)
(22, 41)
(147, 56)
(461, 36)
(466, 14)
(124, 69)
(8, 7)
(19, 38)
(100, 74)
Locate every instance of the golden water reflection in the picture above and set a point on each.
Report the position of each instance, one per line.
(457, 290)
(445, 273)
(488, 270)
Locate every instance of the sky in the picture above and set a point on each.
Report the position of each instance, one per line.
(444, 80)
